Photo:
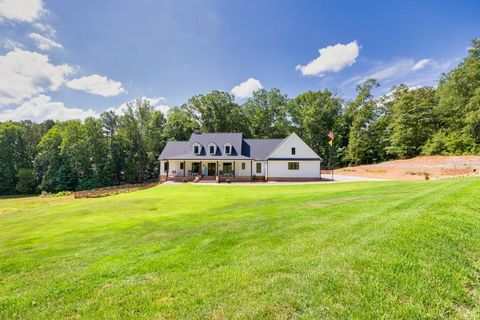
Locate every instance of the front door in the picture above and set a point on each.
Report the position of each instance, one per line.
(211, 169)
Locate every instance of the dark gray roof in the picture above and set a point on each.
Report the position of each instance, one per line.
(259, 149)
(242, 149)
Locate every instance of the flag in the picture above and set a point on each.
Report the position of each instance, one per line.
(330, 135)
(330, 143)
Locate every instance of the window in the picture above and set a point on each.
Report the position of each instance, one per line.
(227, 167)
(181, 165)
(243, 165)
(165, 167)
(259, 167)
(196, 167)
(293, 166)
(293, 151)
(196, 149)
(212, 149)
(228, 149)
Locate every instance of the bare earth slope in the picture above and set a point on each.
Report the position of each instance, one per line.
(434, 167)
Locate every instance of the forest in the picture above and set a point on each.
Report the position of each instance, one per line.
(114, 149)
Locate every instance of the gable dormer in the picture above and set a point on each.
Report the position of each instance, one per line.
(227, 148)
(212, 148)
(196, 148)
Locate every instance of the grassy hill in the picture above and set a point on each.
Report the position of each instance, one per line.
(366, 250)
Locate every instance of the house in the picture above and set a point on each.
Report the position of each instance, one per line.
(230, 157)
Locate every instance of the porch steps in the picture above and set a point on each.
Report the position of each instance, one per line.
(207, 179)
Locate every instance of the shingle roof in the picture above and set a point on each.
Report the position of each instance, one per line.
(242, 149)
(259, 149)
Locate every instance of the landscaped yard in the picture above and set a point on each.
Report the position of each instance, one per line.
(361, 250)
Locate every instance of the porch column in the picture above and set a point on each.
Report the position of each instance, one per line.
(217, 168)
(234, 168)
(184, 168)
(251, 169)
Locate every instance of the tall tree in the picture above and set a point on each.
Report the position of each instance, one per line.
(413, 120)
(458, 107)
(313, 114)
(179, 124)
(13, 156)
(363, 110)
(217, 112)
(266, 114)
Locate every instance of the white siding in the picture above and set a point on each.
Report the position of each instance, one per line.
(307, 169)
(254, 168)
(284, 150)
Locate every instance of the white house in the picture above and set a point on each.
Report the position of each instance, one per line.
(228, 156)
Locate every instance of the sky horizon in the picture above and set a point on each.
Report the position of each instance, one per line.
(65, 60)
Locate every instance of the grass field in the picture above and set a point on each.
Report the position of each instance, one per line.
(351, 250)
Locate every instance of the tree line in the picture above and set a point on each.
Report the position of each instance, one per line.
(55, 156)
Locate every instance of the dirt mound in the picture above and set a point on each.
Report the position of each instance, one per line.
(431, 167)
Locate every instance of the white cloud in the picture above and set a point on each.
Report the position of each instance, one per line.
(25, 74)
(157, 103)
(96, 84)
(41, 108)
(44, 43)
(21, 10)
(48, 29)
(404, 67)
(421, 64)
(10, 44)
(246, 88)
(331, 59)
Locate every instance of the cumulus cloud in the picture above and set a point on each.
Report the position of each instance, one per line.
(331, 59)
(44, 43)
(21, 10)
(25, 74)
(98, 85)
(41, 108)
(246, 88)
(158, 103)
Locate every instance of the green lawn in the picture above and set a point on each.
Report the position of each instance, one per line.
(351, 250)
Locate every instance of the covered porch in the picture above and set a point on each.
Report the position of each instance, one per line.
(188, 170)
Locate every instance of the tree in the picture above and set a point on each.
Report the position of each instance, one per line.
(180, 124)
(13, 155)
(27, 180)
(458, 106)
(363, 110)
(266, 114)
(413, 120)
(141, 135)
(216, 112)
(313, 116)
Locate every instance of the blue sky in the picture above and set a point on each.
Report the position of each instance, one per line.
(83, 57)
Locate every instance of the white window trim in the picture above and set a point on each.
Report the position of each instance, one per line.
(214, 148)
(225, 148)
(199, 148)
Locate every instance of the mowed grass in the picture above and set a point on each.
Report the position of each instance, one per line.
(366, 250)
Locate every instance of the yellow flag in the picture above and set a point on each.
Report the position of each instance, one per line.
(330, 143)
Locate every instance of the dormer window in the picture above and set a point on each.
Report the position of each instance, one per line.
(227, 148)
(212, 148)
(196, 148)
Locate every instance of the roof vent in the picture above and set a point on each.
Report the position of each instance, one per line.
(196, 130)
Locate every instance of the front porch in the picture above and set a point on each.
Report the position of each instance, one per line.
(216, 170)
